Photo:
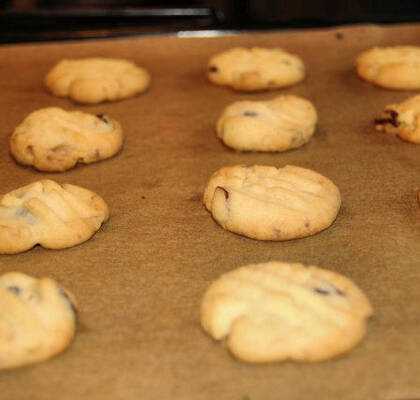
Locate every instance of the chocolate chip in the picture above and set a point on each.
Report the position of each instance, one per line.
(30, 149)
(15, 290)
(339, 36)
(249, 113)
(393, 114)
(103, 118)
(391, 118)
(277, 232)
(22, 212)
(213, 68)
(66, 296)
(339, 292)
(326, 292)
(322, 291)
(224, 191)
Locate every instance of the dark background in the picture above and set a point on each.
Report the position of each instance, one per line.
(33, 20)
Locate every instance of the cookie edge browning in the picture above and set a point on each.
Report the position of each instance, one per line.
(249, 82)
(243, 351)
(63, 334)
(87, 97)
(69, 162)
(216, 198)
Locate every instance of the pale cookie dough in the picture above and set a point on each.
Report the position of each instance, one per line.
(283, 123)
(52, 215)
(255, 69)
(401, 119)
(52, 139)
(395, 67)
(269, 203)
(277, 311)
(94, 80)
(37, 319)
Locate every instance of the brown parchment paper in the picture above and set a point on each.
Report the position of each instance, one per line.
(140, 279)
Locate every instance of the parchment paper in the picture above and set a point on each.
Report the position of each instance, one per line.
(140, 279)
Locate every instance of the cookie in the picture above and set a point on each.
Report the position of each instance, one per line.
(401, 119)
(284, 123)
(52, 139)
(277, 311)
(395, 67)
(255, 69)
(268, 203)
(52, 215)
(94, 80)
(37, 321)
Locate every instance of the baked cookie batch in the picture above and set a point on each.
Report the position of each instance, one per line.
(263, 312)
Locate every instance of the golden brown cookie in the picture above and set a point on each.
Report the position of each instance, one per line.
(52, 139)
(37, 321)
(94, 80)
(396, 67)
(401, 119)
(277, 311)
(52, 215)
(283, 123)
(269, 203)
(255, 69)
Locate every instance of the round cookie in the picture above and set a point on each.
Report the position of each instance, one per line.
(94, 80)
(255, 69)
(38, 319)
(401, 119)
(52, 139)
(268, 203)
(52, 215)
(276, 311)
(283, 123)
(395, 67)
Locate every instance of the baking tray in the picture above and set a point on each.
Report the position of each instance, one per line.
(139, 281)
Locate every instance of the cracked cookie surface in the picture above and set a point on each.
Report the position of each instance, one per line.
(52, 139)
(268, 203)
(52, 215)
(283, 123)
(255, 69)
(396, 67)
(37, 319)
(401, 119)
(94, 80)
(276, 311)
